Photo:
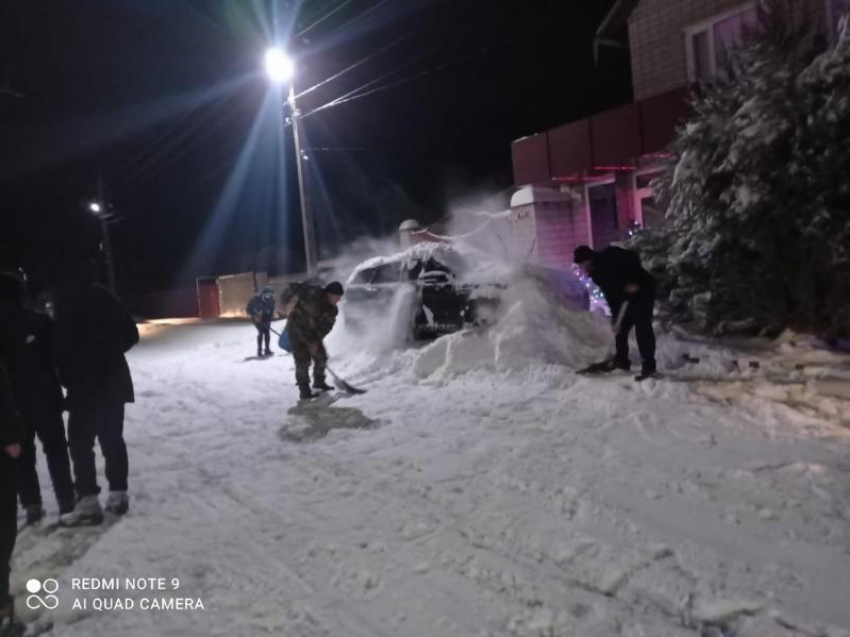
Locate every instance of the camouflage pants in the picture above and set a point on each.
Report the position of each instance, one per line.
(303, 358)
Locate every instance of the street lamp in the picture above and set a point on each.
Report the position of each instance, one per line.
(279, 66)
(98, 209)
(280, 70)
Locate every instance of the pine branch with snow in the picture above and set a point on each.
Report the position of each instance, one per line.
(758, 206)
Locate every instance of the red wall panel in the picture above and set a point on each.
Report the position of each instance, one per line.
(531, 160)
(616, 136)
(569, 149)
(659, 116)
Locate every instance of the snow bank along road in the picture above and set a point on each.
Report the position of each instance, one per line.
(463, 495)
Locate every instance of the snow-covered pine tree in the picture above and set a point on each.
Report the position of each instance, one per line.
(822, 143)
(747, 244)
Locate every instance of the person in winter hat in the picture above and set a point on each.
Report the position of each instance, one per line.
(260, 310)
(621, 277)
(11, 433)
(311, 311)
(26, 345)
(93, 332)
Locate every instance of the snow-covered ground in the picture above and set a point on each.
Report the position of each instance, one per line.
(479, 488)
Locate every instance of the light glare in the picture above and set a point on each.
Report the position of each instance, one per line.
(278, 66)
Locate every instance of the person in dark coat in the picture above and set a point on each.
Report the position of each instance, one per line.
(621, 277)
(26, 345)
(261, 311)
(311, 312)
(11, 434)
(93, 332)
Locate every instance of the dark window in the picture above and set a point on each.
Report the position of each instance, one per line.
(364, 276)
(603, 214)
(387, 273)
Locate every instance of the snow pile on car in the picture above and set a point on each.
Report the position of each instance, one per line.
(533, 328)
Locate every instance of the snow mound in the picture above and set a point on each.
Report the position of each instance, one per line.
(533, 328)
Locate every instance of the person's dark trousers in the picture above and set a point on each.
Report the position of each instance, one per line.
(263, 335)
(320, 363)
(638, 315)
(45, 421)
(303, 358)
(8, 522)
(106, 424)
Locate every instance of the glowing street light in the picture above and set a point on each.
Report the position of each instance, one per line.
(280, 70)
(279, 66)
(95, 207)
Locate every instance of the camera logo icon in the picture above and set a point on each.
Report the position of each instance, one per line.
(42, 594)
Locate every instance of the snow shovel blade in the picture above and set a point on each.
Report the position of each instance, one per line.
(342, 385)
(605, 366)
(596, 368)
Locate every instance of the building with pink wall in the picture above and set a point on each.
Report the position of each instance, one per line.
(588, 181)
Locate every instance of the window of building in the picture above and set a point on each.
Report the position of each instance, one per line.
(708, 44)
(647, 211)
(602, 204)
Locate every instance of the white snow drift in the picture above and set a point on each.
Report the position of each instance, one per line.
(480, 488)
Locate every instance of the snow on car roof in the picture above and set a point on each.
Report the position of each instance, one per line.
(442, 252)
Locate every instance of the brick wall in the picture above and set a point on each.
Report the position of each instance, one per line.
(657, 39)
(560, 228)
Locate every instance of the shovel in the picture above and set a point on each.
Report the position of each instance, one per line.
(340, 382)
(603, 366)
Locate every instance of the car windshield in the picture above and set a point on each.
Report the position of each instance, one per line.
(430, 266)
(387, 273)
(364, 276)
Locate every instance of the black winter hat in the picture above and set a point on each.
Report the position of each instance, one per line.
(582, 254)
(335, 288)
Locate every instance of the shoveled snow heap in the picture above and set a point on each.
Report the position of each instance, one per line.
(534, 328)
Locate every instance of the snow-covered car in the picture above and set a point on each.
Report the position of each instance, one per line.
(433, 289)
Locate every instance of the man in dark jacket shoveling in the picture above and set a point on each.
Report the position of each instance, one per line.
(311, 312)
(620, 276)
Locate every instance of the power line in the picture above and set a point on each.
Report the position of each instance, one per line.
(385, 75)
(360, 62)
(357, 94)
(379, 89)
(336, 9)
(364, 14)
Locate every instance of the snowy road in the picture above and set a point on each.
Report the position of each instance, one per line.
(526, 502)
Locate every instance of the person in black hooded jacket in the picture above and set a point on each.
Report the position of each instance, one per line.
(621, 277)
(26, 344)
(11, 433)
(93, 332)
(260, 310)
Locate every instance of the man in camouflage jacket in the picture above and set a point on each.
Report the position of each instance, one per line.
(311, 313)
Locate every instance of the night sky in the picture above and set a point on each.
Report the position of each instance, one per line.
(167, 103)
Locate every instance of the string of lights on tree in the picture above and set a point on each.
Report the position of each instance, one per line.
(595, 293)
(633, 229)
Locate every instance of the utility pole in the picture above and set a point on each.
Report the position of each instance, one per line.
(100, 208)
(310, 251)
